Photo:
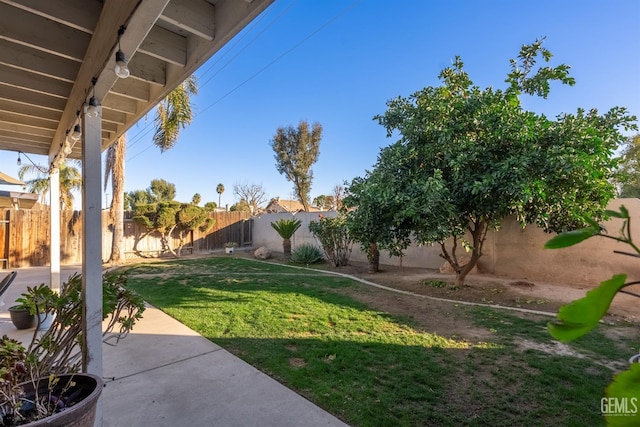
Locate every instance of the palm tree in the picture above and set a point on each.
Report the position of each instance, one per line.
(70, 181)
(173, 113)
(196, 199)
(114, 168)
(286, 228)
(219, 190)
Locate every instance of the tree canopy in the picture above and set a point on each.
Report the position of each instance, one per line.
(468, 157)
(296, 150)
(163, 191)
(70, 181)
(628, 176)
(165, 217)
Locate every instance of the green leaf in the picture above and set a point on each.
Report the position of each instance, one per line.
(580, 316)
(570, 238)
(623, 214)
(626, 389)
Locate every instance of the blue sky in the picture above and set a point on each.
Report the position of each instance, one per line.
(337, 62)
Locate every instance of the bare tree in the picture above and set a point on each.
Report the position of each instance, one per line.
(252, 194)
(338, 195)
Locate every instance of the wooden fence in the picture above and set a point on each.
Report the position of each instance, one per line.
(25, 237)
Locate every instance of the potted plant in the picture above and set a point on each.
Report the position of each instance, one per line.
(229, 246)
(40, 384)
(41, 301)
(54, 400)
(21, 317)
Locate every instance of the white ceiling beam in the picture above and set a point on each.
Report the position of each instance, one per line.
(120, 103)
(194, 16)
(132, 88)
(33, 82)
(25, 136)
(30, 122)
(28, 110)
(36, 61)
(24, 145)
(114, 117)
(51, 37)
(148, 69)
(79, 14)
(165, 45)
(27, 97)
(12, 127)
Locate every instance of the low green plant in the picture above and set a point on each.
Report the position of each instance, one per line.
(286, 229)
(581, 316)
(435, 283)
(333, 234)
(307, 253)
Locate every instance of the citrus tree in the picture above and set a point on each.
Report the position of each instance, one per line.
(468, 157)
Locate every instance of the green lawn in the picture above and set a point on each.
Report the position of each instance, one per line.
(373, 369)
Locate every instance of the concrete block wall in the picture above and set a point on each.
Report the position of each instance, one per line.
(511, 251)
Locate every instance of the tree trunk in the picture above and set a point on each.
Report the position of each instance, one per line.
(373, 255)
(478, 234)
(286, 247)
(117, 202)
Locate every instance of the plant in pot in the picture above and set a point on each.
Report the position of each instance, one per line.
(229, 247)
(41, 301)
(41, 384)
(21, 316)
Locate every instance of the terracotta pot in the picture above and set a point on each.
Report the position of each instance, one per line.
(21, 318)
(80, 414)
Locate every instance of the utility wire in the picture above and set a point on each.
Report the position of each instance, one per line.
(264, 68)
(145, 130)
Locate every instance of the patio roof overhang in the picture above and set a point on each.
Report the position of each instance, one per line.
(51, 54)
(51, 51)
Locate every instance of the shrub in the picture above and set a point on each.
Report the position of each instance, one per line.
(334, 237)
(307, 253)
(286, 228)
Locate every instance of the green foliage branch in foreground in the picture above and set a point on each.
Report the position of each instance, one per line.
(581, 316)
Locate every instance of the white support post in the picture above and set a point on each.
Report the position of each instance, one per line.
(92, 248)
(54, 228)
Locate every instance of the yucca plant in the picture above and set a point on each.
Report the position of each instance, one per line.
(306, 254)
(286, 228)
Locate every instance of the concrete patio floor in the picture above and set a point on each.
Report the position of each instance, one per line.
(165, 374)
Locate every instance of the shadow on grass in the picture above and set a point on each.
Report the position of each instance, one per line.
(371, 368)
(374, 384)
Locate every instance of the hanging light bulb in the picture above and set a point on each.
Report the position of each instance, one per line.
(77, 132)
(92, 109)
(19, 161)
(122, 70)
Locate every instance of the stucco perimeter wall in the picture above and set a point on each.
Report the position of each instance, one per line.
(511, 252)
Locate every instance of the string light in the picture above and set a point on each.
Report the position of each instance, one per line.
(121, 69)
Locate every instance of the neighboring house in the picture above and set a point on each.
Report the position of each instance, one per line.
(278, 205)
